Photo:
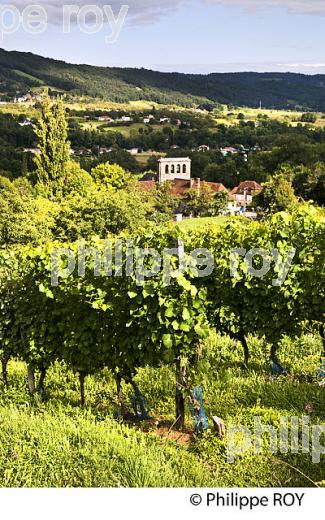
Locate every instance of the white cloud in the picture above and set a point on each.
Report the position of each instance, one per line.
(312, 7)
(148, 11)
(144, 12)
(140, 11)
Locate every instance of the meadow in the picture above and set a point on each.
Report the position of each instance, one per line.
(198, 223)
(229, 117)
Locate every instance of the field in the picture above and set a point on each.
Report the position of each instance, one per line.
(230, 116)
(143, 157)
(55, 442)
(126, 130)
(194, 223)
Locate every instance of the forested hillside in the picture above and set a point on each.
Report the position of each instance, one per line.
(20, 72)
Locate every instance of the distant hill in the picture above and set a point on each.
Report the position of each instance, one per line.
(20, 72)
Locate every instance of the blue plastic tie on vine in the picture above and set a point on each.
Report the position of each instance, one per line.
(201, 424)
(140, 407)
(276, 368)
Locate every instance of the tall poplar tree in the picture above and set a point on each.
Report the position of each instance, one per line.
(52, 133)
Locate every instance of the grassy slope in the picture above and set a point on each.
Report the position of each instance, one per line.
(55, 443)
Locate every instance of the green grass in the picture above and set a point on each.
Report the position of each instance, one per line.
(122, 129)
(142, 158)
(195, 223)
(28, 76)
(125, 130)
(67, 447)
(56, 443)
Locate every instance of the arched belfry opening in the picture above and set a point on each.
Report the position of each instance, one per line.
(174, 168)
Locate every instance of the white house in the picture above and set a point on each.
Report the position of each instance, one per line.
(105, 118)
(26, 122)
(34, 151)
(126, 119)
(103, 150)
(149, 118)
(201, 148)
(229, 150)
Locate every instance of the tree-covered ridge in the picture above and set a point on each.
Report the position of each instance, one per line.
(22, 71)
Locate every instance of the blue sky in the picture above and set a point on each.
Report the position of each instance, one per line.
(189, 35)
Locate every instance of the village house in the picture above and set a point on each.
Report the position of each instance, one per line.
(29, 97)
(231, 150)
(34, 151)
(104, 150)
(107, 119)
(126, 119)
(148, 119)
(26, 122)
(244, 193)
(201, 148)
(228, 150)
(133, 151)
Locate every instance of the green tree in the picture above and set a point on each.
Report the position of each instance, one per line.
(102, 212)
(278, 194)
(309, 182)
(164, 202)
(24, 218)
(52, 132)
(110, 175)
(219, 203)
(204, 202)
(77, 180)
(308, 117)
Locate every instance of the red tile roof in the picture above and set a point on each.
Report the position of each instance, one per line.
(148, 185)
(180, 186)
(250, 187)
(214, 186)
